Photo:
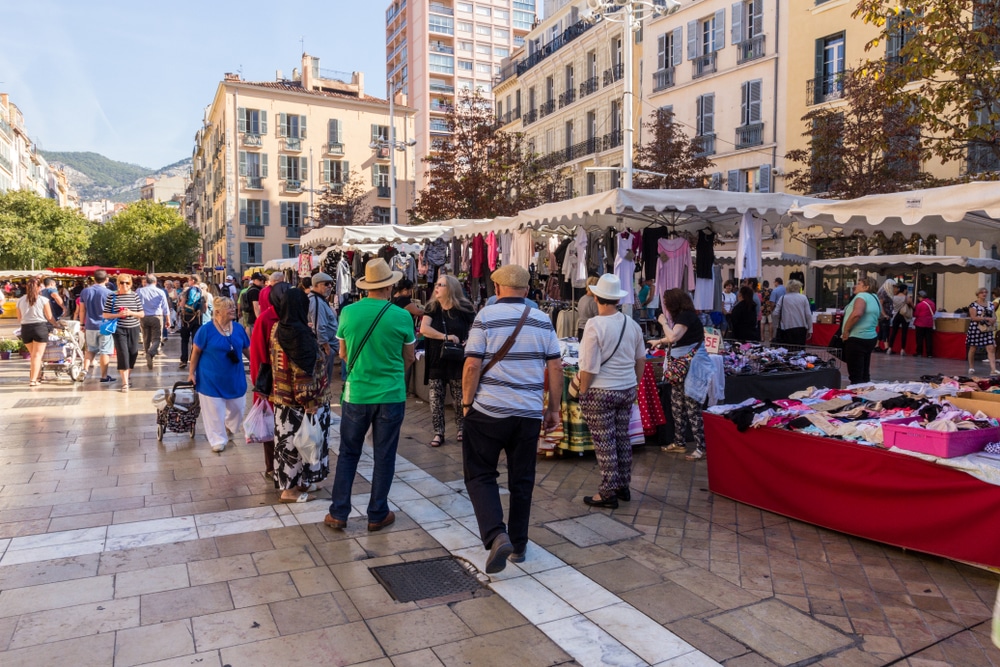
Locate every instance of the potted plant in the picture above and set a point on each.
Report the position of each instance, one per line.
(23, 350)
(8, 345)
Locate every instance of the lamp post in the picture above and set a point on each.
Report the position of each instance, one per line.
(626, 13)
(393, 145)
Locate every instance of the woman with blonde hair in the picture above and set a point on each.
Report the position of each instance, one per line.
(125, 306)
(445, 327)
(34, 315)
(217, 371)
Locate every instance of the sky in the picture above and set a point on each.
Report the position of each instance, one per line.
(131, 80)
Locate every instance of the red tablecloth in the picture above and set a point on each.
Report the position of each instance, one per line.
(946, 345)
(872, 493)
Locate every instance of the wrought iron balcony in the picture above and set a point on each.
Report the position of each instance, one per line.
(254, 231)
(293, 144)
(567, 98)
(751, 134)
(253, 183)
(293, 185)
(335, 148)
(703, 65)
(530, 117)
(750, 49)
(826, 88)
(518, 67)
(252, 140)
(383, 191)
(614, 74)
(663, 79)
(613, 139)
(589, 86)
(706, 144)
(336, 188)
(293, 232)
(546, 108)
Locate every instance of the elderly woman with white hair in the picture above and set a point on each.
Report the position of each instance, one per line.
(792, 316)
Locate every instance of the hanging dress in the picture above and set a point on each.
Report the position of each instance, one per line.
(625, 266)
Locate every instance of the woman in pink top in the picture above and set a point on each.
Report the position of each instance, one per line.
(923, 323)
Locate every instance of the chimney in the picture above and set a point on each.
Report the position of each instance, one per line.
(310, 69)
(232, 77)
(279, 75)
(295, 74)
(358, 79)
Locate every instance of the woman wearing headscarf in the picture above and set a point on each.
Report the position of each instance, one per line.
(299, 393)
(217, 371)
(260, 343)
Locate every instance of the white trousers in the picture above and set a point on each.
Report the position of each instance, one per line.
(219, 414)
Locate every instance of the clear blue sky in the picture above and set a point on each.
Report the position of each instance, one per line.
(130, 80)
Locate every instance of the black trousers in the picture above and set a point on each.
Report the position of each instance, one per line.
(858, 357)
(188, 330)
(484, 438)
(925, 340)
(126, 347)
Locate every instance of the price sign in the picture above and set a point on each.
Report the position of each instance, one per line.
(713, 340)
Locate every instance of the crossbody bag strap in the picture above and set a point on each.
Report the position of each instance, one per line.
(509, 343)
(781, 311)
(361, 346)
(620, 337)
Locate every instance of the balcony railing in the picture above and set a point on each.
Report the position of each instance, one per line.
(252, 140)
(703, 65)
(253, 183)
(293, 144)
(6, 164)
(981, 158)
(567, 98)
(335, 188)
(5, 128)
(293, 185)
(612, 139)
(663, 79)
(442, 88)
(546, 108)
(518, 67)
(589, 86)
(826, 88)
(581, 149)
(706, 145)
(335, 148)
(382, 191)
(614, 73)
(750, 49)
(530, 116)
(293, 232)
(441, 9)
(751, 134)
(254, 231)
(441, 48)
(437, 128)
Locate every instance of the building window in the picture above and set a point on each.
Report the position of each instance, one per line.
(483, 11)
(829, 82)
(293, 218)
(464, 26)
(440, 64)
(501, 52)
(293, 169)
(484, 68)
(483, 49)
(483, 30)
(253, 166)
(502, 34)
(335, 172)
(591, 183)
(616, 177)
(465, 65)
(465, 46)
(252, 121)
(568, 188)
(501, 15)
(291, 126)
(289, 250)
(251, 253)
(523, 20)
(380, 215)
(380, 175)
(706, 35)
(668, 49)
(444, 25)
(255, 212)
(750, 106)
(380, 132)
(464, 7)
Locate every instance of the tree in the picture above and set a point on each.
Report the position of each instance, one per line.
(146, 235)
(478, 171)
(871, 145)
(671, 152)
(344, 204)
(36, 228)
(950, 49)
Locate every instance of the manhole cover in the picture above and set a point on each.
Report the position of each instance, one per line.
(46, 402)
(425, 579)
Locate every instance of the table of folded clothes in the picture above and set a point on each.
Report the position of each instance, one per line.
(767, 373)
(911, 465)
(946, 344)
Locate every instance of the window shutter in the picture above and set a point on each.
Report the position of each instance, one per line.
(263, 121)
(737, 12)
(764, 180)
(283, 167)
(661, 52)
(243, 163)
(282, 124)
(719, 35)
(305, 213)
(755, 88)
(302, 127)
(757, 19)
(335, 131)
(345, 171)
(708, 112)
(325, 167)
(244, 254)
(241, 116)
(716, 183)
(243, 211)
(265, 213)
(303, 168)
(263, 165)
(375, 175)
(284, 251)
(284, 213)
(733, 180)
(676, 57)
(745, 103)
(820, 54)
(692, 40)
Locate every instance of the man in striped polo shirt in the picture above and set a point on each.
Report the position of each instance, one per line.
(504, 412)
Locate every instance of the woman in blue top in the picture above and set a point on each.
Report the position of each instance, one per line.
(861, 317)
(217, 371)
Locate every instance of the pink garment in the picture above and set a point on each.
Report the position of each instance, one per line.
(672, 273)
(923, 313)
(492, 252)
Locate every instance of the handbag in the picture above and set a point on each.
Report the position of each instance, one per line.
(836, 344)
(675, 369)
(574, 384)
(450, 351)
(264, 384)
(108, 327)
(259, 422)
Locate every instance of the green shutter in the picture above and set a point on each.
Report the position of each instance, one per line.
(283, 167)
(733, 180)
(265, 213)
(244, 254)
(302, 127)
(345, 172)
(243, 163)
(263, 121)
(305, 213)
(243, 211)
(692, 40)
(241, 119)
(324, 171)
(284, 214)
(282, 126)
(263, 165)
(719, 34)
(303, 167)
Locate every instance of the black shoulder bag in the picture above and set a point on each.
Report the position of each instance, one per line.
(450, 351)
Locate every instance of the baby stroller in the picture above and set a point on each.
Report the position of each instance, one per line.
(177, 409)
(63, 354)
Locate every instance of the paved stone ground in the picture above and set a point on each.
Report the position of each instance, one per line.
(119, 550)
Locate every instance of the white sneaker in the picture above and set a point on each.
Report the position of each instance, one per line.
(219, 448)
(971, 371)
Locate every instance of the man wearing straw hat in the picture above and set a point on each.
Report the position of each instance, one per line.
(376, 343)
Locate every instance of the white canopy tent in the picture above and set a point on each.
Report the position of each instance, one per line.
(919, 263)
(281, 264)
(767, 258)
(351, 236)
(970, 211)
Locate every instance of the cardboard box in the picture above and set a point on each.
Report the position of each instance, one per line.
(951, 324)
(978, 401)
(825, 318)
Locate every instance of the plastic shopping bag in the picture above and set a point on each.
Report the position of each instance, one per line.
(635, 434)
(259, 422)
(308, 439)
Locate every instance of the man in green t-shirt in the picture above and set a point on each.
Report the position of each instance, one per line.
(376, 342)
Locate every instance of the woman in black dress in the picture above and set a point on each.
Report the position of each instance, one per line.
(744, 316)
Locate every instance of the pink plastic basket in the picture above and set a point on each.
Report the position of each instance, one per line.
(937, 443)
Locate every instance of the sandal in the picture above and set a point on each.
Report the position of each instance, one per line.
(459, 438)
(301, 498)
(33, 383)
(696, 455)
(673, 447)
(437, 441)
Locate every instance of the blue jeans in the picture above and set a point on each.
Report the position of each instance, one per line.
(385, 420)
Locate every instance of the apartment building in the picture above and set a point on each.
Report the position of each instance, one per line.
(22, 167)
(564, 90)
(437, 48)
(7, 153)
(164, 188)
(267, 151)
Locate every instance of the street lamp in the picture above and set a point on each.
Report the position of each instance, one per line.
(626, 12)
(392, 145)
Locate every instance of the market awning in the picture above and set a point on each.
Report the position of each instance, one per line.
(767, 258)
(281, 264)
(969, 211)
(322, 237)
(924, 263)
(89, 270)
(395, 234)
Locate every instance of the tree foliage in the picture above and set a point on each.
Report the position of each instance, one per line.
(950, 50)
(479, 172)
(347, 205)
(146, 235)
(872, 145)
(36, 228)
(670, 152)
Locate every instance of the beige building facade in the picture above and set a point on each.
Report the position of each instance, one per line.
(437, 48)
(267, 151)
(164, 189)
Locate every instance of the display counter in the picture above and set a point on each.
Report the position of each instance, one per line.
(855, 489)
(947, 345)
(772, 386)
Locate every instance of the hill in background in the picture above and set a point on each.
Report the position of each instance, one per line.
(96, 177)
